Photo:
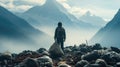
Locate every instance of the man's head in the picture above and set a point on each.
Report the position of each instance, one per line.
(59, 24)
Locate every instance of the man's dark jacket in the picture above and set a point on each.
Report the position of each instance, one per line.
(60, 34)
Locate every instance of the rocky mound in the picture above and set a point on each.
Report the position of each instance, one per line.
(74, 56)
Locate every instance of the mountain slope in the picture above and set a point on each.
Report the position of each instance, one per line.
(18, 32)
(109, 35)
(13, 25)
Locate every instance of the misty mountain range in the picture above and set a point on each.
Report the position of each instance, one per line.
(46, 17)
(29, 27)
(51, 13)
(109, 35)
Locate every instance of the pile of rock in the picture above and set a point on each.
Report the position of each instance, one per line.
(74, 56)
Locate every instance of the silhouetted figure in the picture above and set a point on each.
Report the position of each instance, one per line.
(60, 35)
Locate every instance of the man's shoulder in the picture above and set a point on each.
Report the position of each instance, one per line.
(60, 28)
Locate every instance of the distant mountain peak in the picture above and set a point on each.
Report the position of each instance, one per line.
(88, 13)
(48, 7)
(93, 19)
(51, 9)
(50, 3)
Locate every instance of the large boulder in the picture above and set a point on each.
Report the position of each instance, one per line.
(91, 56)
(56, 50)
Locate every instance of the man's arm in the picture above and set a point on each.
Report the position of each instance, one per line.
(64, 35)
(55, 36)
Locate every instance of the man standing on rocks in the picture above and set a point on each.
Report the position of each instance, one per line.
(60, 35)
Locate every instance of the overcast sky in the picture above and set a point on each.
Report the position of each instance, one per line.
(103, 8)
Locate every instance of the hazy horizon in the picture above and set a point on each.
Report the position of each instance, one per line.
(100, 10)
